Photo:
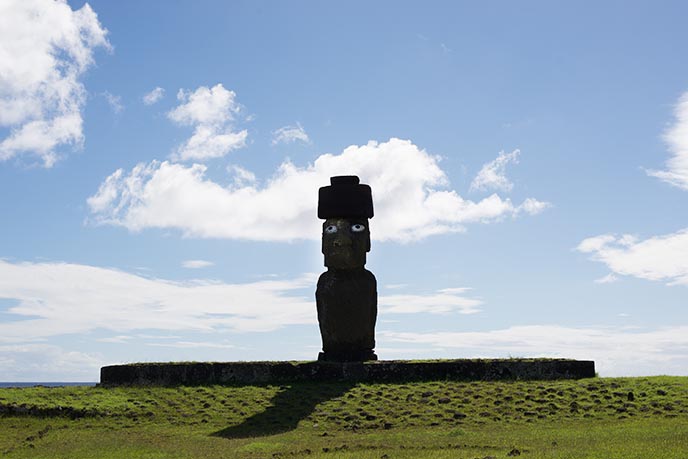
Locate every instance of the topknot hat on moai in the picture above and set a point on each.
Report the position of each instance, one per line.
(345, 197)
(347, 292)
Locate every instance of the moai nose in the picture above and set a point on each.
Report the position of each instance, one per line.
(342, 241)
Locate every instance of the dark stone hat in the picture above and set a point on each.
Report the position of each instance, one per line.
(345, 197)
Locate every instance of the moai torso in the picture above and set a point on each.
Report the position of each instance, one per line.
(346, 295)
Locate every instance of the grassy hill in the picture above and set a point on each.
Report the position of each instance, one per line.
(600, 417)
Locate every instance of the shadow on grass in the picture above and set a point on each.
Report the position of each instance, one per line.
(287, 408)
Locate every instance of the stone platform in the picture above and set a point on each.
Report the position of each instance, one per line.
(246, 373)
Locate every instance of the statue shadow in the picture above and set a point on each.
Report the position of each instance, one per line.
(287, 409)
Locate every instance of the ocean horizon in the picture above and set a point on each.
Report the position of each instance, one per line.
(45, 384)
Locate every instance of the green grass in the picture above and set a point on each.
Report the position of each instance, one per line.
(592, 418)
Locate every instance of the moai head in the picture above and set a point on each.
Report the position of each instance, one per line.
(346, 206)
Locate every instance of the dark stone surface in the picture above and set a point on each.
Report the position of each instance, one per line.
(346, 294)
(347, 310)
(347, 356)
(345, 242)
(345, 197)
(208, 373)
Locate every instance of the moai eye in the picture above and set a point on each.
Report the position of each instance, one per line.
(331, 229)
(357, 227)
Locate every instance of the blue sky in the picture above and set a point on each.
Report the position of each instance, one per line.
(159, 167)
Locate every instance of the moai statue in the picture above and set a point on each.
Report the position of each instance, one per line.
(346, 296)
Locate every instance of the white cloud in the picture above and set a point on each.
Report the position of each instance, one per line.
(196, 264)
(677, 139)
(659, 258)
(120, 339)
(616, 351)
(394, 286)
(407, 182)
(595, 244)
(608, 279)
(242, 177)
(211, 111)
(193, 345)
(115, 102)
(45, 47)
(154, 96)
(492, 176)
(442, 302)
(290, 134)
(46, 362)
(533, 206)
(61, 298)
(56, 299)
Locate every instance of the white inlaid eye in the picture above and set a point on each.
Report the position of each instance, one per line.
(357, 227)
(331, 229)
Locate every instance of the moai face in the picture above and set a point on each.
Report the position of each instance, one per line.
(345, 242)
